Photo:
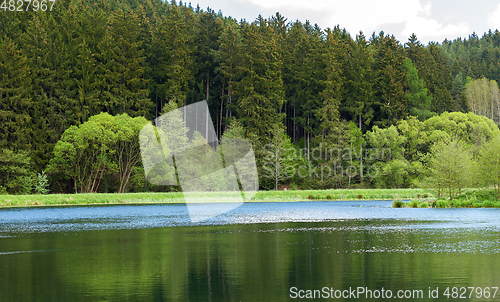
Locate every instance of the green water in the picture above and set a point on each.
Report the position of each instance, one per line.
(247, 262)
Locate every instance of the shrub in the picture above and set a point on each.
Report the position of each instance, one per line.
(397, 204)
(413, 204)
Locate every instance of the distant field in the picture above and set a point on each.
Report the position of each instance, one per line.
(261, 196)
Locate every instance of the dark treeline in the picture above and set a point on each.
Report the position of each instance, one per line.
(62, 67)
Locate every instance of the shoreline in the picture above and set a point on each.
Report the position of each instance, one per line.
(23, 201)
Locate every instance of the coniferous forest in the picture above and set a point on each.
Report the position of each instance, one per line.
(344, 109)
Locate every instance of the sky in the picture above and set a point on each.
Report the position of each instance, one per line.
(433, 20)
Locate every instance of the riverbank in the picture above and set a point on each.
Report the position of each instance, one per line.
(471, 198)
(175, 197)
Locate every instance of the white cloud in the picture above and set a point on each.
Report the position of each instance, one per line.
(494, 18)
(409, 17)
(431, 29)
(401, 18)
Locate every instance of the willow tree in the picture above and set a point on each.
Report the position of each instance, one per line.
(101, 146)
(450, 164)
(489, 165)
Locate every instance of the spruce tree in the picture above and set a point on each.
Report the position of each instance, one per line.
(359, 83)
(15, 97)
(126, 90)
(389, 81)
(418, 101)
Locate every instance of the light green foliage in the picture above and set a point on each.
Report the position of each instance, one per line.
(126, 152)
(104, 144)
(489, 165)
(416, 138)
(235, 130)
(42, 183)
(280, 159)
(388, 140)
(176, 138)
(397, 154)
(419, 102)
(470, 128)
(84, 153)
(450, 164)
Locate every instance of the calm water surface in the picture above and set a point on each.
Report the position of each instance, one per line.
(256, 252)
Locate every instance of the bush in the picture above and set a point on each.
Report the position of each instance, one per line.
(397, 204)
(413, 204)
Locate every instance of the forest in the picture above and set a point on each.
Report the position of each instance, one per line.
(79, 82)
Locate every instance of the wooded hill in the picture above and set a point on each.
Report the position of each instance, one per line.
(60, 68)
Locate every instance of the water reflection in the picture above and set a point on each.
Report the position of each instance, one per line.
(254, 253)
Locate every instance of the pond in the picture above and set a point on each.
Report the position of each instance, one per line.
(255, 252)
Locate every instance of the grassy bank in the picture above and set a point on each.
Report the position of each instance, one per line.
(261, 196)
(471, 198)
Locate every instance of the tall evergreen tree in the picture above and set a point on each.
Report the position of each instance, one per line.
(226, 57)
(259, 89)
(419, 102)
(389, 81)
(126, 90)
(359, 83)
(15, 98)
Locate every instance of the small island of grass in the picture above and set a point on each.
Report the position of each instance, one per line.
(471, 198)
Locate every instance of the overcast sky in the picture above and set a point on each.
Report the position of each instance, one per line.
(429, 20)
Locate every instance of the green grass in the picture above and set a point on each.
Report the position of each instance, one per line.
(261, 196)
(471, 198)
